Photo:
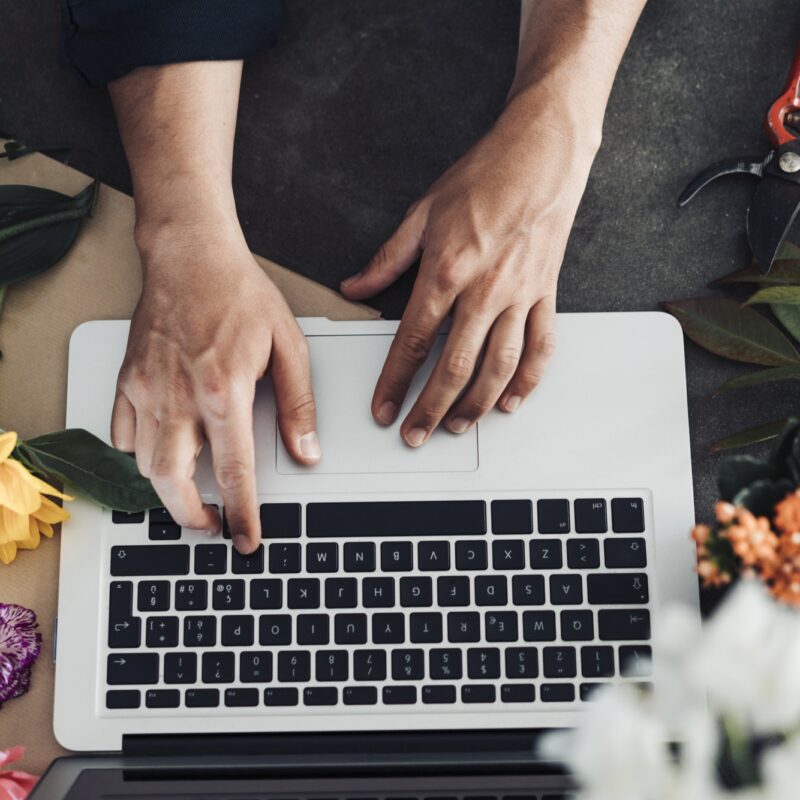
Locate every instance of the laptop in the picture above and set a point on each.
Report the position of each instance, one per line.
(410, 612)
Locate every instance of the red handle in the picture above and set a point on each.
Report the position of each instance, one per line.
(789, 101)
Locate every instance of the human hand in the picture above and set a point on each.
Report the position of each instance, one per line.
(208, 325)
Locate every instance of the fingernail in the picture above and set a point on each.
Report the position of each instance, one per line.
(242, 544)
(458, 425)
(309, 446)
(416, 436)
(350, 281)
(387, 413)
(512, 404)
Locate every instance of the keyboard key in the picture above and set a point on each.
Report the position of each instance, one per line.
(517, 692)
(132, 668)
(251, 564)
(396, 518)
(452, 590)
(120, 599)
(438, 693)
(539, 626)
(341, 592)
(634, 660)
(512, 516)
(623, 623)
(359, 557)
(124, 630)
(237, 631)
(228, 595)
(218, 667)
(388, 628)
(199, 631)
(399, 695)
(396, 556)
(320, 696)
(322, 557)
(369, 665)
(162, 698)
(577, 626)
(627, 553)
(255, 666)
(597, 662)
(491, 590)
(284, 558)
(617, 588)
(280, 520)
(408, 665)
(302, 593)
(416, 592)
(266, 594)
(162, 632)
(464, 626)
(150, 560)
(557, 693)
(350, 629)
(274, 629)
(566, 590)
(211, 559)
(590, 516)
(588, 690)
(359, 695)
(425, 627)
(583, 553)
(508, 554)
(201, 698)
(180, 668)
(445, 664)
(331, 665)
(433, 556)
(501, 626)
(191, 596)
(553, 516)
(127, 518)
(313, 629)
(522, 662)
(627, 515)
(559, 662)
(483, 663)
(163, 532)
(294, 666)
(528, 590)
(546, 554)
(240, 698)
(160, 515)
(123, 698)
(471, 555)
(378, 592)
(283, 696)
(478, 693)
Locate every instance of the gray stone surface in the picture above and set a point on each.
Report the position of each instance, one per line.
(361, 105)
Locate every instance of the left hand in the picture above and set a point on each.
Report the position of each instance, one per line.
(491, 233)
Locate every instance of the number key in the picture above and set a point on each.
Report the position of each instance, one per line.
(228, 595)
(153, 596)
(191, 596)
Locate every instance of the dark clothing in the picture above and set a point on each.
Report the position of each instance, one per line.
(105, 39)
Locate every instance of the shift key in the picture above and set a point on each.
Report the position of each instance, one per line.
(132, 669)
(150, 559)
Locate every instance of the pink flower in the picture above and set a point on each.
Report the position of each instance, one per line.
(14, 785)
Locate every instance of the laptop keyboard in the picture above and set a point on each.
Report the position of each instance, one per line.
(513, 602)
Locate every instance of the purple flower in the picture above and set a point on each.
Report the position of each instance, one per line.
(20, 644)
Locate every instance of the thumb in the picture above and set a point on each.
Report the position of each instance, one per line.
(393, 258)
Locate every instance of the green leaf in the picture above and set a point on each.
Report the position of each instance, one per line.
(783, 447)
(726, 328)
(739, 472)
(762, 496)
(759, 377)
(776, 294)
(90, 467)
(788, 316)
(760, 433)
(783, 273)
(37, 227)
(788, 251)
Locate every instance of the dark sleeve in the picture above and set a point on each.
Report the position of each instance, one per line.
(105, 39)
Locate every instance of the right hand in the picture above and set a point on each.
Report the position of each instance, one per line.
(207, 326)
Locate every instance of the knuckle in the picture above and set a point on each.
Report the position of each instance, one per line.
(530, 378)
(302, 406)
(505, 361)
(232, 473)
(545, 344)
(414, 347)
(459, 365)
(446, 277)
(480, 406)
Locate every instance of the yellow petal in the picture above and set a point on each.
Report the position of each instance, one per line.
(8, 441)
(13, 527)
(29, 477)
(46, 528)
(17, 492)
(31, 541)
(8, 552)
(50, 512)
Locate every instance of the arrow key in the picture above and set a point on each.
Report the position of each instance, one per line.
(132, 669)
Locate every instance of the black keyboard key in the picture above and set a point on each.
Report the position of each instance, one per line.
(199, 631)
(590, 516)
(471, 555)
(284, 558)
(124, 634)
(396, 556)
(369, 665)
(583, 553)
(350, 629)
(150, 560)
(388, 628)
(283, 696)
(557, 693)
(274, 629)
(280, 520)
(627, 515)
(597, 662)
(241, 698)
(164, 532)
(617, 588)
(322, 557)
(160, 515)
(211, 559)
(162, 698)
(331, 665)
(425, 628)
(623, 623)
(478, 693)
(508, 554)
(416, 592)
(132, 669)
(491, 590)
(522, 662)
(320, 696)
(255, 666)
(201, 698)
(228, 595)
(127, 518)
(359, 557)
(313, 629)
(512, 516)
(445, 664)
(501, 626)
(546, 554)
(438, 693)
(266, 594)
(553, 516)
(396, 518)
(120, 600)
(237, 631)
(627, 553)
(123, 698)
(218, 667)
(559, 662)
(483, 663)
(191, 596)
(464, 626)
(589, 690)
(539, 626)
(294, 666)
(433, 556)
(302, 593)
(452, 590)
(408, 665)
(517, 692)
(528, 590)
(180, 668)
(634, 660)
(577, 626)
(566, 590)
(341, 592)
(378, 592)
(399, 695)
(153, 596)
(162, 632)
(250, 564)
(359, 695)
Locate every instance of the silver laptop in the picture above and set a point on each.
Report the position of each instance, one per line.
(489, 581)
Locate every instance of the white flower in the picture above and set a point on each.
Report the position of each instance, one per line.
(781, 770)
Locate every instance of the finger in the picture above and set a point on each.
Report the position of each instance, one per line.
(123, 424)
(452, 373)
(294, 398)
(393, 258)
(172, 470)
(145, 441)
(229, 430)
(540, 344)
(498, 365)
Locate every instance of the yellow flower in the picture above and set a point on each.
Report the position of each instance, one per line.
(25, 512)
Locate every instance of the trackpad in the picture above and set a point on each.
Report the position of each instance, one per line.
(344, 370)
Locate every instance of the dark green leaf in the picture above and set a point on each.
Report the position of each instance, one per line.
(759, 377)
(783, 447)
(762, 496)
(777, 295)
(738, 472)
(782, 273)
(788, 316)
(726, 328)
(90, 467)
(760, 433)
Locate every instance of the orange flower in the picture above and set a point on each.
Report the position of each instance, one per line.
(787, 513)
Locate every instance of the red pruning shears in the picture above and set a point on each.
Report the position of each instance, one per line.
(776, 202)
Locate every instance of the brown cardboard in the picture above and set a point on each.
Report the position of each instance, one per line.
(98, 279)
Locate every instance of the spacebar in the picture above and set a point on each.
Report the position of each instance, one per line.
(397, 518)
(150, 559)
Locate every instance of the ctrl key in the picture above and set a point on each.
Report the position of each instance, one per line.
(137, 669)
